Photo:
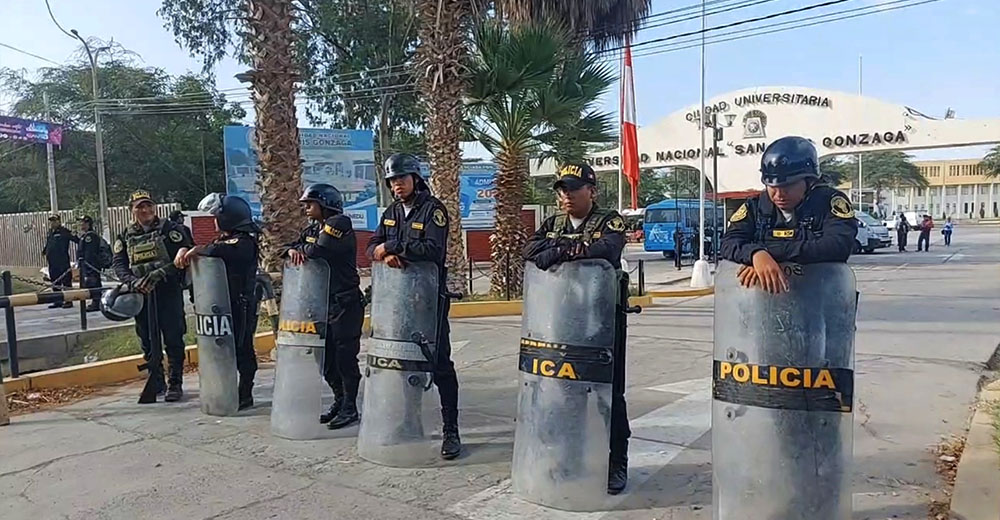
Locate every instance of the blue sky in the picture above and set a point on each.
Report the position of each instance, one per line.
(929, 57)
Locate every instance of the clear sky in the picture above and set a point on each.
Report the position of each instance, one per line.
(929, 57)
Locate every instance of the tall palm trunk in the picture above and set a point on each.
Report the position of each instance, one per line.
(507, 241)
(442, 52)
(271, 44)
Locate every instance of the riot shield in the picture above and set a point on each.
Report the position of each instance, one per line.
(301, 344)
(562, 438)
(782, 389)
(216, 339)
(401, 359)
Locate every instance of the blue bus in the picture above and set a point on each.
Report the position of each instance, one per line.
(662, 218)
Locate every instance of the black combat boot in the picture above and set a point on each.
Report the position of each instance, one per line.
(617, 475)
(246, 394)
(338, 401)
(174, 382)
(347, 415)
(451, 444)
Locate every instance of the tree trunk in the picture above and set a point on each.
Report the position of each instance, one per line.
(271, 44)
(507, 241)
(440, 58)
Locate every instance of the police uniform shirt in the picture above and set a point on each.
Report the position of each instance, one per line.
(56, 249)
(173, 239)
(88, 253)
(421, 235)
(334, 241)
(822, 228)
(239, 252)
(602, 231)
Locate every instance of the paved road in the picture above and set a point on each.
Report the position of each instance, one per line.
(926, 323)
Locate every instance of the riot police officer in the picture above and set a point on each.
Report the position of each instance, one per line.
(143, 256)
(585, 230)
(88, 258)
(238, 248)
(56, 253)
(414, 228)
(330, 237)
(177, 217)
(797, 218)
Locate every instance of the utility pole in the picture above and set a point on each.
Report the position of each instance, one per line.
(53, 196)
(701, 274)
(102, 187)
(860, 207)
(204, 175)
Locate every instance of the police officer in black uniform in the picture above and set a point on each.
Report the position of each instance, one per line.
(56, 253)
(414, 228)
(330, 237)
(585, 230)
(88, 258)
(177, 217)
(238, 248)
(143, 258)
(797, 218)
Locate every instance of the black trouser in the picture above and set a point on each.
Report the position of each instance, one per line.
(924, 241)
(170, 315)
(901, 239)
(343, 342)
(60, 275)
(246, 327)
(444, 375)
(620, 431)
(89, 278)
(947, 238)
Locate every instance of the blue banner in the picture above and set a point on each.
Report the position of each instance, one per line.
(477, 198)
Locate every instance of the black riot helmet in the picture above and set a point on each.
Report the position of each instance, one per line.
(400, 164)
(120, 304)
(231, 213)
(787, 160)
(325, 195)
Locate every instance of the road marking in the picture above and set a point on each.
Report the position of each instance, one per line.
(657, 438)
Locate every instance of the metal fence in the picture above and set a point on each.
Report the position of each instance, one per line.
(22, 235)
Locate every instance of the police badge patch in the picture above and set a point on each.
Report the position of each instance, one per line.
(840, 207)
(740, 214)
(616, 224)
(118, 246)
(175, 236)
(439, 218)
(88, 238)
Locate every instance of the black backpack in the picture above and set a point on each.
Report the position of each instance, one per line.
(104, 255)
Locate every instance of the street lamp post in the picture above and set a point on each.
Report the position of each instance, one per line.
(717, 137)
(102, 188)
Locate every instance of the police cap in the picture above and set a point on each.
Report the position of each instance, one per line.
(575, 176)
(139, 196)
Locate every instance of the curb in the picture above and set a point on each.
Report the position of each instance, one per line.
(683, 293)
(977, 485)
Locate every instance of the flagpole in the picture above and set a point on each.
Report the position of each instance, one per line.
(621, 126)
(701, 274)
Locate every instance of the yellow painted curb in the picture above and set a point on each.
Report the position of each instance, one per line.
(683, 293)
(483, 309)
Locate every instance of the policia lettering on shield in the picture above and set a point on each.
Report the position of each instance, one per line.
(237, 247)
(797, 218)
(330, 237)
(143, 259)
(584, 230)
(414, 228)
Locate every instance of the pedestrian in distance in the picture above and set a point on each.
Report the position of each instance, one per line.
(143, 259)
(902, 232)
(414, 228)
(924, 240)
(237, 247)
(89, 258)
(797, 218)
(947, 230)
(56, 252)
(330, 238)
(584, 230)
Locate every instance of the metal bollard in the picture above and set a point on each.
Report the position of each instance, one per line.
(8, 289)
(642, 278)
(83, 314)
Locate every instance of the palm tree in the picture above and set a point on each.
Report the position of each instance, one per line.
(271, 43)
(527, 92)
(601, 22)
(991, 163)
(440, 58)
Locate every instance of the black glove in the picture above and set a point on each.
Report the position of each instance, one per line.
(550, 257)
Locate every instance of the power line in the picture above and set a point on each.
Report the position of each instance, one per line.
(22, 51)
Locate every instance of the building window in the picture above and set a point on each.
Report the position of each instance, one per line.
(966, 190)
(920, 192)
(984, 189)
(951, 191)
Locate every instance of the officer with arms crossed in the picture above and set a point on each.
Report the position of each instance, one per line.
(330, 237)
(584, 230)
(88, 258)
(56, 253)
(797, 218)
(414, 228)
(237, 247)
(143, 256)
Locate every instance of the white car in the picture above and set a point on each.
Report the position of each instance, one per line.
(872, 234)
(911, 216)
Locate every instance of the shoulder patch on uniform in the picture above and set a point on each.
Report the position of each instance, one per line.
(740, 214)
(88, 238)
(332, 231)
(231, 241)
(389, 222)
(439, 219)
(175, 236)
(616, 224)
(840, 207)
(119, 245)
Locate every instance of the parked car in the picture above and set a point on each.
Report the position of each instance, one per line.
(871, 235)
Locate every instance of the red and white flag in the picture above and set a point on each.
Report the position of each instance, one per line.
(630, 143)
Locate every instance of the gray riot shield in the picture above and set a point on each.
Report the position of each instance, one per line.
(782, 389)
(298, 377)
(216, 338)
(562, 438)
(401, 358)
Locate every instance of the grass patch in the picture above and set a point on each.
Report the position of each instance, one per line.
(994, 408)
(25, 272)
(116, 343)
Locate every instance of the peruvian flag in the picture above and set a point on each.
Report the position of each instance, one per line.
(630, 144)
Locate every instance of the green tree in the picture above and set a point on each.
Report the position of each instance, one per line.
(835, 170)
(991, 163)
(601, 22)
(528, 88)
